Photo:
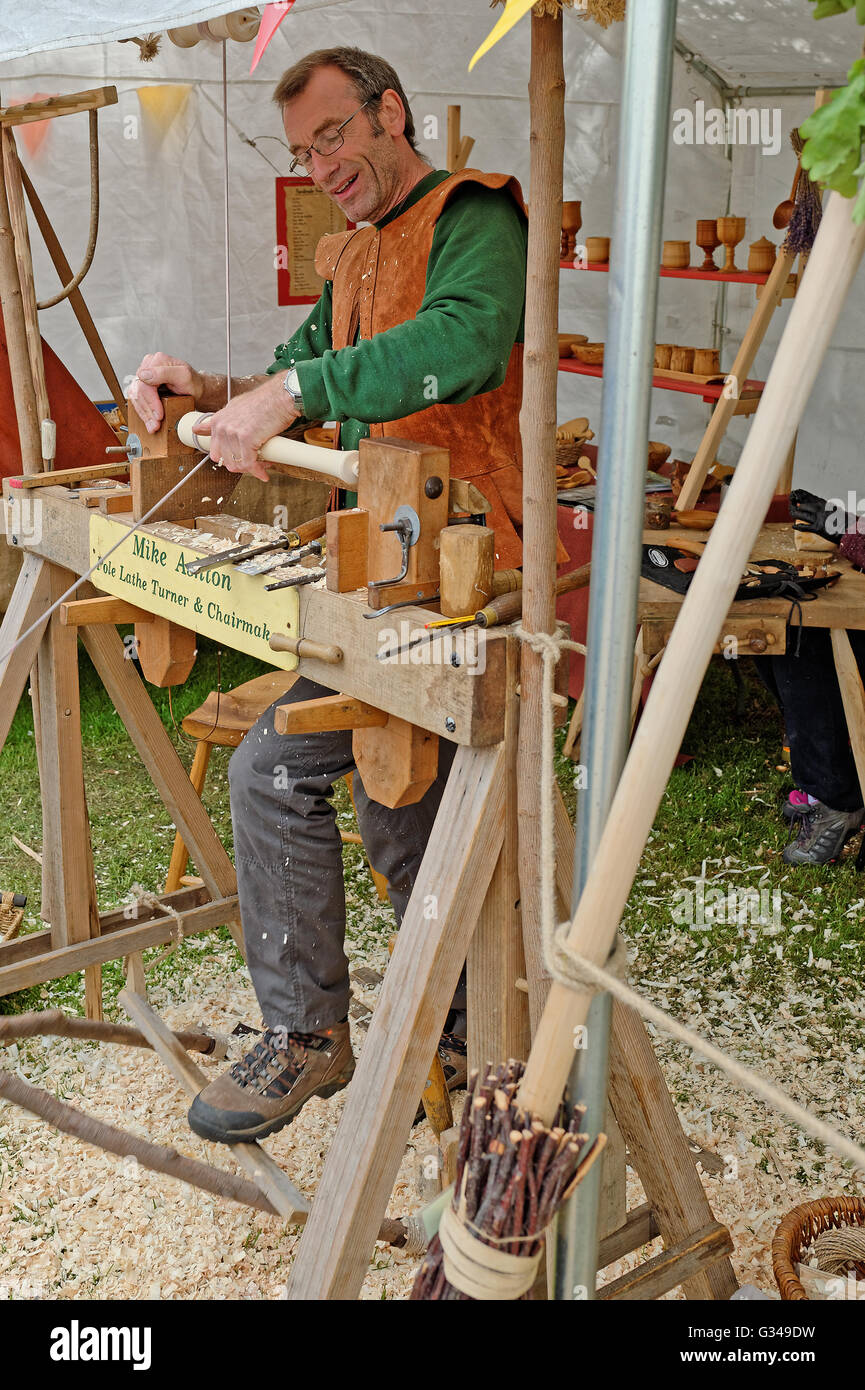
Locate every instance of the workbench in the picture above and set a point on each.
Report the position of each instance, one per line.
(760, 626)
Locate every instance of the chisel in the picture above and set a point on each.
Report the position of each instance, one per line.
(504, 609)
(305, 536)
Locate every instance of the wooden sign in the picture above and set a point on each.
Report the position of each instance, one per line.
(222, 603)
(303, 216)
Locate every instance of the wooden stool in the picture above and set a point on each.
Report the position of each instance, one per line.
(223, 721)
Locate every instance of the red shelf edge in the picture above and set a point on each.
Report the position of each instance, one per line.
(708, 393)
(739, 277)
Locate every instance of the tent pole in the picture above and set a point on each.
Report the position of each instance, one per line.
(538, 430)
(12, 301)
(617, 540)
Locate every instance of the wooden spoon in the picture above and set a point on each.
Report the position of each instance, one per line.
(784, 211)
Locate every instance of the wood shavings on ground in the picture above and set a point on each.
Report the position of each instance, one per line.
(76, 1223)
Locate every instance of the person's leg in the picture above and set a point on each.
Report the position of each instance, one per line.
(289, 871)
(289, 868)
(820, 757)
(395, 841)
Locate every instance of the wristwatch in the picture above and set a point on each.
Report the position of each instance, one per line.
(292, 386)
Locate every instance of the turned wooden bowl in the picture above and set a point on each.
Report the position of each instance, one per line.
(567, 341)
(590, 354)
(658, 453)
(318, 434)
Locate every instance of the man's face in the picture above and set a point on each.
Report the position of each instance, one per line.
(362, 176)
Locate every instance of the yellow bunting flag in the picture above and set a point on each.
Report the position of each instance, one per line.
(161, 105)
(514, 11)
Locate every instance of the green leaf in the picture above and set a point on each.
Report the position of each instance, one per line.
(825, 9)
(833, 135)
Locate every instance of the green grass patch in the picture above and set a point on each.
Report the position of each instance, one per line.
(719, 821)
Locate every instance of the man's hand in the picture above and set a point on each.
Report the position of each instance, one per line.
(158, 369)
(238, 431)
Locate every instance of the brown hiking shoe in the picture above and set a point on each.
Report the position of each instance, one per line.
(263, 1091)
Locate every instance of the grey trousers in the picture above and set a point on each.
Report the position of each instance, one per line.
(289, 862)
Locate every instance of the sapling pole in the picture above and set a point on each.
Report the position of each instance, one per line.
(538, 431)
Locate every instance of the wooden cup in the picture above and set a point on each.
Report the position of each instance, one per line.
(676, 255)
(663, 353)
(682, 359)
(707, 362)
(597, 250)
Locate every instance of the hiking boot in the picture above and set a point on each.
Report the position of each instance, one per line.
(267, 1087)
(795, 805)
(822, 835)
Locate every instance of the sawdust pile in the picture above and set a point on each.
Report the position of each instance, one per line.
(76, 1223)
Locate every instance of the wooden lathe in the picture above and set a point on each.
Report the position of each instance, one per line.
(384, 551)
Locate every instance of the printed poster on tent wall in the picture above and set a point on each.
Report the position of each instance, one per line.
(303, 215)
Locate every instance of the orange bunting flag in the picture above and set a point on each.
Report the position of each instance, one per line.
(33, 132)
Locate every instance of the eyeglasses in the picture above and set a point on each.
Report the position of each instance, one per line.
(327, 142)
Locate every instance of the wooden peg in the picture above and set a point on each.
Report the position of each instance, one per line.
(397, 762)
(166, 651)
(347, 550)
(304, 646)
(102, 610)
(327, 713)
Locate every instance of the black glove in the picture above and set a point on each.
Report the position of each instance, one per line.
(811, 513)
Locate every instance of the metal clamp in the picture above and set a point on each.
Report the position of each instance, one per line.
(406, 525)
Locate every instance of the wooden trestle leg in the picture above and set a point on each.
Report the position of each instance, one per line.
(68, 882)
(498, 1013)
(362, 1164)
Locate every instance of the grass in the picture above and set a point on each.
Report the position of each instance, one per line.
(131, 831)
(719, 821)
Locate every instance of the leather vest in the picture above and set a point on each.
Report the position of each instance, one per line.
(379, 280)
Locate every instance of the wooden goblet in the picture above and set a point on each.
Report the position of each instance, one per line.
(572, 221)
(708, 240)
(731, 231)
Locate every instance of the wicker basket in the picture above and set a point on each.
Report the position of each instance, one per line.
(800, 1228)
(568, 452)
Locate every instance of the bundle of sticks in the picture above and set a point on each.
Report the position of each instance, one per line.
(512, 1175)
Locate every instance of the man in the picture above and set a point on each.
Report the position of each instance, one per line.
(417, 334)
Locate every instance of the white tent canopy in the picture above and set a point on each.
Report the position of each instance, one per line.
(157, 277)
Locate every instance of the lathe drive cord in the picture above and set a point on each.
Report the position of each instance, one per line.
(4, 656)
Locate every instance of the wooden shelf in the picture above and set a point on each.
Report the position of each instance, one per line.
(746, 405)
(739, 277)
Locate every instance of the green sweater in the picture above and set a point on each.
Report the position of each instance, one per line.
(459, 344)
